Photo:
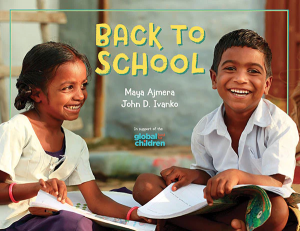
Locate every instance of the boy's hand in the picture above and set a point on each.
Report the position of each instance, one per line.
(182, 176)
(220, 185)
(56, 188)
(160, 225)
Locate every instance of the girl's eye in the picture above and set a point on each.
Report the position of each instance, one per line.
(68, 87)
(84, 85)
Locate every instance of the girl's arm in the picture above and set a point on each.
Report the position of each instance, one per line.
(100, 204)
(28, 190)
(20, 191)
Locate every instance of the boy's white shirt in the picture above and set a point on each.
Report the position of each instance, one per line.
(266, 146)
(24, 159)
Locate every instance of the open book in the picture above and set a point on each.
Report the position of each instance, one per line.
(46, 204)
(190, 200)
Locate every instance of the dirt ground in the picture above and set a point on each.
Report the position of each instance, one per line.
(109, 184)
(146, 151)
(115, 183)
(112, 145)
(108, 144)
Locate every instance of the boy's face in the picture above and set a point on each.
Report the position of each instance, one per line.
(241, 79)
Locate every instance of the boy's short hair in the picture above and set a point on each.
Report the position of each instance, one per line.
(242, 38)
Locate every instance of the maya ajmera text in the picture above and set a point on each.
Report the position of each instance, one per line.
(158, 62)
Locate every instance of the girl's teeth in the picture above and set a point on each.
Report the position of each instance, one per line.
(73, 107)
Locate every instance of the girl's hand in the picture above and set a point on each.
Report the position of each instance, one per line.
(135, 217)
(182, 176)
(220, 185)
(56, 188)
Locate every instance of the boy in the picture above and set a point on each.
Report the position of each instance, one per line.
(247, 140)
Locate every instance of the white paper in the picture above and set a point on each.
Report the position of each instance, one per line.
(121, 198)
(284, 192)
(168, 203)
(44, 199)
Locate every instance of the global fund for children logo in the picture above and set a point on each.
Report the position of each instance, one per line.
(149, 140)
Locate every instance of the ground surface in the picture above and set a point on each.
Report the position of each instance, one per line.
(112, 145)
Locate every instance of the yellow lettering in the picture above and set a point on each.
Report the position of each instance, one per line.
(163, 67)
(143, 66)
(202, 34)
(179, 29)
(196, 70)
(102, 40)
(116, 64)
(153, 36)
(185, 64)
(105, 64)
(134, 33)
(117, 38)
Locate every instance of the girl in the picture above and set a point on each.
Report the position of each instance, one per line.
(36, 152)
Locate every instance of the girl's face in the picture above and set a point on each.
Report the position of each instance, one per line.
(66, 92)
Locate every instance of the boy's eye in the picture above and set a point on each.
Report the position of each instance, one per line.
(230, 68)
(254, 71)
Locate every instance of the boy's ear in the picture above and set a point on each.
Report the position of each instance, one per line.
(36, 95)
(213, 77)
(268, 85)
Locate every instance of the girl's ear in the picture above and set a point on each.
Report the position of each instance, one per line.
(36, 95)
(213, 76)
(268, 85)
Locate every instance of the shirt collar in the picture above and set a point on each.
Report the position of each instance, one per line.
(260, 117)
(216, 122)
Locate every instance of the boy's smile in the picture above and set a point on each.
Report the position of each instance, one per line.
(241, 79)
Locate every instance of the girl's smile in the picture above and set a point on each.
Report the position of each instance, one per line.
(66, 93)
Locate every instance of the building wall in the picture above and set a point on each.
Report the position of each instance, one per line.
(23, 37)
(193, 93)
(80, 33)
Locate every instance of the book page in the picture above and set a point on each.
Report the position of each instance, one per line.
(190, 198)
(121, 198)
(45, 200)
(284, 192)
(170, 203)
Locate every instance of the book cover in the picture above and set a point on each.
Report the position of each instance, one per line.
(151, 63)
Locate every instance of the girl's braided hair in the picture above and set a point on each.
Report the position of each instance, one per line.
(39, 68)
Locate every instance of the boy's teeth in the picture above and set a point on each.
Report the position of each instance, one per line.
(239, 91)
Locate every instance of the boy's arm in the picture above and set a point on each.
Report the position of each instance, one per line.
(223, 183)
(199, 173)
(279, 157)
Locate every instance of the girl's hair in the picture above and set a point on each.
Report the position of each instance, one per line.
(39, 68)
